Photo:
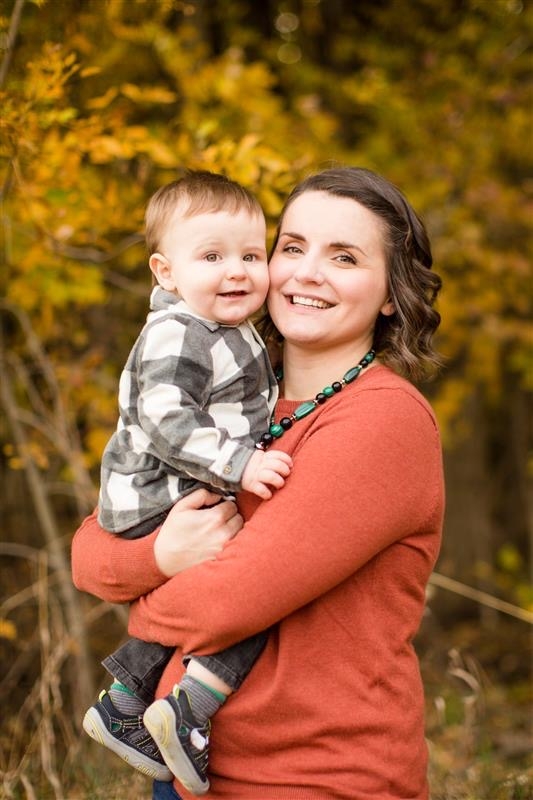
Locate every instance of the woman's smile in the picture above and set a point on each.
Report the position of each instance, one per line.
(309, 302)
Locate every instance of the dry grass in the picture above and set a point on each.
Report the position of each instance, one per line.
(479, 750)
(478, 706)
(479, 702)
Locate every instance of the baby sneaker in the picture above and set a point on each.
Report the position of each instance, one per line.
(125, 735)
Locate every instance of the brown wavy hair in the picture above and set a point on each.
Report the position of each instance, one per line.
(403, 340)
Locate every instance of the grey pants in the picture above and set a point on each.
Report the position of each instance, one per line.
(139, 665)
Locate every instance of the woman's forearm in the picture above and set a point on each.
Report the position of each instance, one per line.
(119, 570)
(112, 568)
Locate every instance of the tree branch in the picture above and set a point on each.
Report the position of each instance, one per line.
(484, 599)
(50, 530)
(11, 36)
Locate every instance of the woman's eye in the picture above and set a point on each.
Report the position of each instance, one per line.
(346, 258)
(292, 248)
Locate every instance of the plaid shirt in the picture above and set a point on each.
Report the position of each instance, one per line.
(193, 398)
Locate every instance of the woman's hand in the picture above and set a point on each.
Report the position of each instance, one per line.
(195, 530)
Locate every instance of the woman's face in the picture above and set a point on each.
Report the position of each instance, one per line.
(328, 276)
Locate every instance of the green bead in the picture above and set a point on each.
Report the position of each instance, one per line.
(304, 409)
(328, 391)
(276, 430)
(352, 374)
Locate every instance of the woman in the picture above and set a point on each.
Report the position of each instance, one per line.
(337, 562)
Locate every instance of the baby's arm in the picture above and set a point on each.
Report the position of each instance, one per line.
(264, 470)
(175, 416)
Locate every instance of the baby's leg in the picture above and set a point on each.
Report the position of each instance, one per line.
(138, 665)
(116, 719)
(180, 723)
(197, 671)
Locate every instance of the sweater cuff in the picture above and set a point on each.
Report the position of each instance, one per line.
(112, 568)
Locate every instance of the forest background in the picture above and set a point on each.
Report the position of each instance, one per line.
(102, 102)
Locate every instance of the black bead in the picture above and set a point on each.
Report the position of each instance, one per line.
(336, 386)
(266, 439)
(321, 398)
(286, 423)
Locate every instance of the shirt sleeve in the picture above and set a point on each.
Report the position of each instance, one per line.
(366, 475)
(175, 378)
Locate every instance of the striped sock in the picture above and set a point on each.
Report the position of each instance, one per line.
(204, 700)
(124, 700)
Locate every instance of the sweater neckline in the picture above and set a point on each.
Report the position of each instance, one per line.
(286, 406)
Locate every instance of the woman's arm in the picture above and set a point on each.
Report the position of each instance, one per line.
(369, 474)
(120, 570)
(114, 569)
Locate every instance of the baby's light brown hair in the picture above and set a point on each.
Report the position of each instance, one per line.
(200, 192)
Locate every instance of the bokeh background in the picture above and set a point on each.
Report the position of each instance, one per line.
(102, 101)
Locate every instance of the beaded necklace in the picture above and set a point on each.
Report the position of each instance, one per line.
(277, 430)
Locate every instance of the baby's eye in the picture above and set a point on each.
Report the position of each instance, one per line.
(249, 257)
(212, 257)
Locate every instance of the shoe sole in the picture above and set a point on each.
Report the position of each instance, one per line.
(94, 726)
(160, 721)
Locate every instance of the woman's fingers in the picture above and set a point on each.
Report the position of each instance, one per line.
(195, 530)
(226, 515)
(197, 499)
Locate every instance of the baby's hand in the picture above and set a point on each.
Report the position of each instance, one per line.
(264, 470)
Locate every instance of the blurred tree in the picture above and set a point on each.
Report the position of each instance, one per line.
(104, 100)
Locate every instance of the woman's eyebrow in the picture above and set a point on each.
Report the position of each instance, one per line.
(291, 235)
(332, 245)
(347, 246)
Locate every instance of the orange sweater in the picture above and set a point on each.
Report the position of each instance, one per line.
(337, 562)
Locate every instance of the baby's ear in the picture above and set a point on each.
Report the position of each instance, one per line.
(161, 271)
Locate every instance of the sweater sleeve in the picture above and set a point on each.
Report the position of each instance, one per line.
(112, 568)
(366, 474)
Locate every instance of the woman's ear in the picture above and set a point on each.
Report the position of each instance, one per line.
(162, 272)
(387, 309)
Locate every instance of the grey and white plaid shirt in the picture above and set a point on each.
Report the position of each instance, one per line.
(194, 397)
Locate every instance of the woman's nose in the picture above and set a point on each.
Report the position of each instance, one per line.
(309, 269)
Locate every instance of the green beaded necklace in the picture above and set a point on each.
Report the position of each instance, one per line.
(277, 430)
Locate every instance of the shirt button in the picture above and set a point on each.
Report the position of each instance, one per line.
(227, 469)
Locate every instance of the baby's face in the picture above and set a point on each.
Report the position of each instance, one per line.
(216, 262)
